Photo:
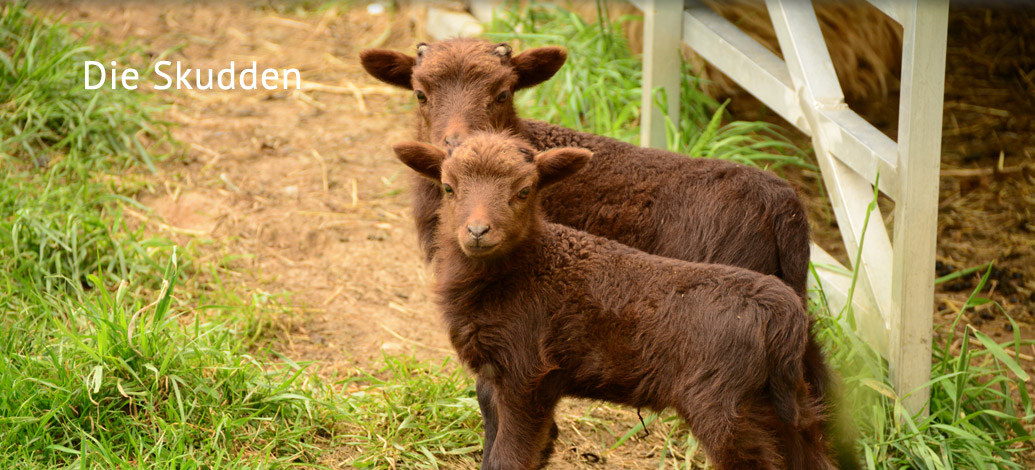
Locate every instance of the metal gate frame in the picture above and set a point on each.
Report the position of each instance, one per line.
(894, 293)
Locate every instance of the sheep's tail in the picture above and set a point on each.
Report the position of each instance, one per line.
(791, 228)
(824, 390)
(794, 360)
(786, 345)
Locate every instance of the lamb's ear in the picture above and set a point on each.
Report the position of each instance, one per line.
(424, 158)
(557, 164)
(391, 67)
(535, 66)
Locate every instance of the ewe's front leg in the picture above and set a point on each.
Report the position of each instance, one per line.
(524, 432)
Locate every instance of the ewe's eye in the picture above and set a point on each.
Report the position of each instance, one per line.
(421, 97)
(447, 189)
(523, 194)
(503, 97)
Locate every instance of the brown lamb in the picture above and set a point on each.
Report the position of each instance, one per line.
(660, 202)
(542, 311)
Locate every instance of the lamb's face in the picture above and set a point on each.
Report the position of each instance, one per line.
(488, 189)
(464, 85)
(490, 185)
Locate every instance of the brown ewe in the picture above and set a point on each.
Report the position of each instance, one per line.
(541, 311)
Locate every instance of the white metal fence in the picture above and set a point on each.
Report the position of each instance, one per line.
(893, 297)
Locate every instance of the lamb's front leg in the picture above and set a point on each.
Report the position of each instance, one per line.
(523, 432)
(484, 392)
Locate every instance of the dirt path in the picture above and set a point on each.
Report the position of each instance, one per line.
(300, 185)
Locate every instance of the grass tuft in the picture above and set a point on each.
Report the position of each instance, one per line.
(979, 406)
(111, 381)
(48, 117)
(421, 415)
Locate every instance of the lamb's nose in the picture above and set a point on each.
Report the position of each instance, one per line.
(477, 231)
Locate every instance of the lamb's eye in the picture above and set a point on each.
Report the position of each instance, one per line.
(523, 194)
(447, 189)
(421, 97)
(503, 97)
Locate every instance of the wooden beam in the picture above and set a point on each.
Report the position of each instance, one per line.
(662, 67)
(925, 28)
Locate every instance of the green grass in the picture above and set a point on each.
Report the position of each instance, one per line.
(48, 118)
(979, 406)
(120, 381)
(422, 415)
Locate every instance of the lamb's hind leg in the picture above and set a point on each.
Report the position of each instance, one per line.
(738, 438)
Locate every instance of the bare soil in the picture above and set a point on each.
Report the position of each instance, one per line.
(298, 192)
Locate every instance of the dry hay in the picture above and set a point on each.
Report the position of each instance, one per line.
(865, 45)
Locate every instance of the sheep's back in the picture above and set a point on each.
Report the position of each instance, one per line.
(681, 319)
(664, 203)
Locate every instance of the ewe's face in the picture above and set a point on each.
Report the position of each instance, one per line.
(487, 198)
(464, 86)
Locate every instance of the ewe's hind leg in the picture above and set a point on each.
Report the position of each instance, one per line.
(735, 439)
(525, 430)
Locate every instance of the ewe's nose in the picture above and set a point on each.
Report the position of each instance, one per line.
(477, 231)
(452, 141)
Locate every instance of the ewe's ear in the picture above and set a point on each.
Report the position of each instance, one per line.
(426, 159)
(391, 67)
(535, 66)
(557, 164)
